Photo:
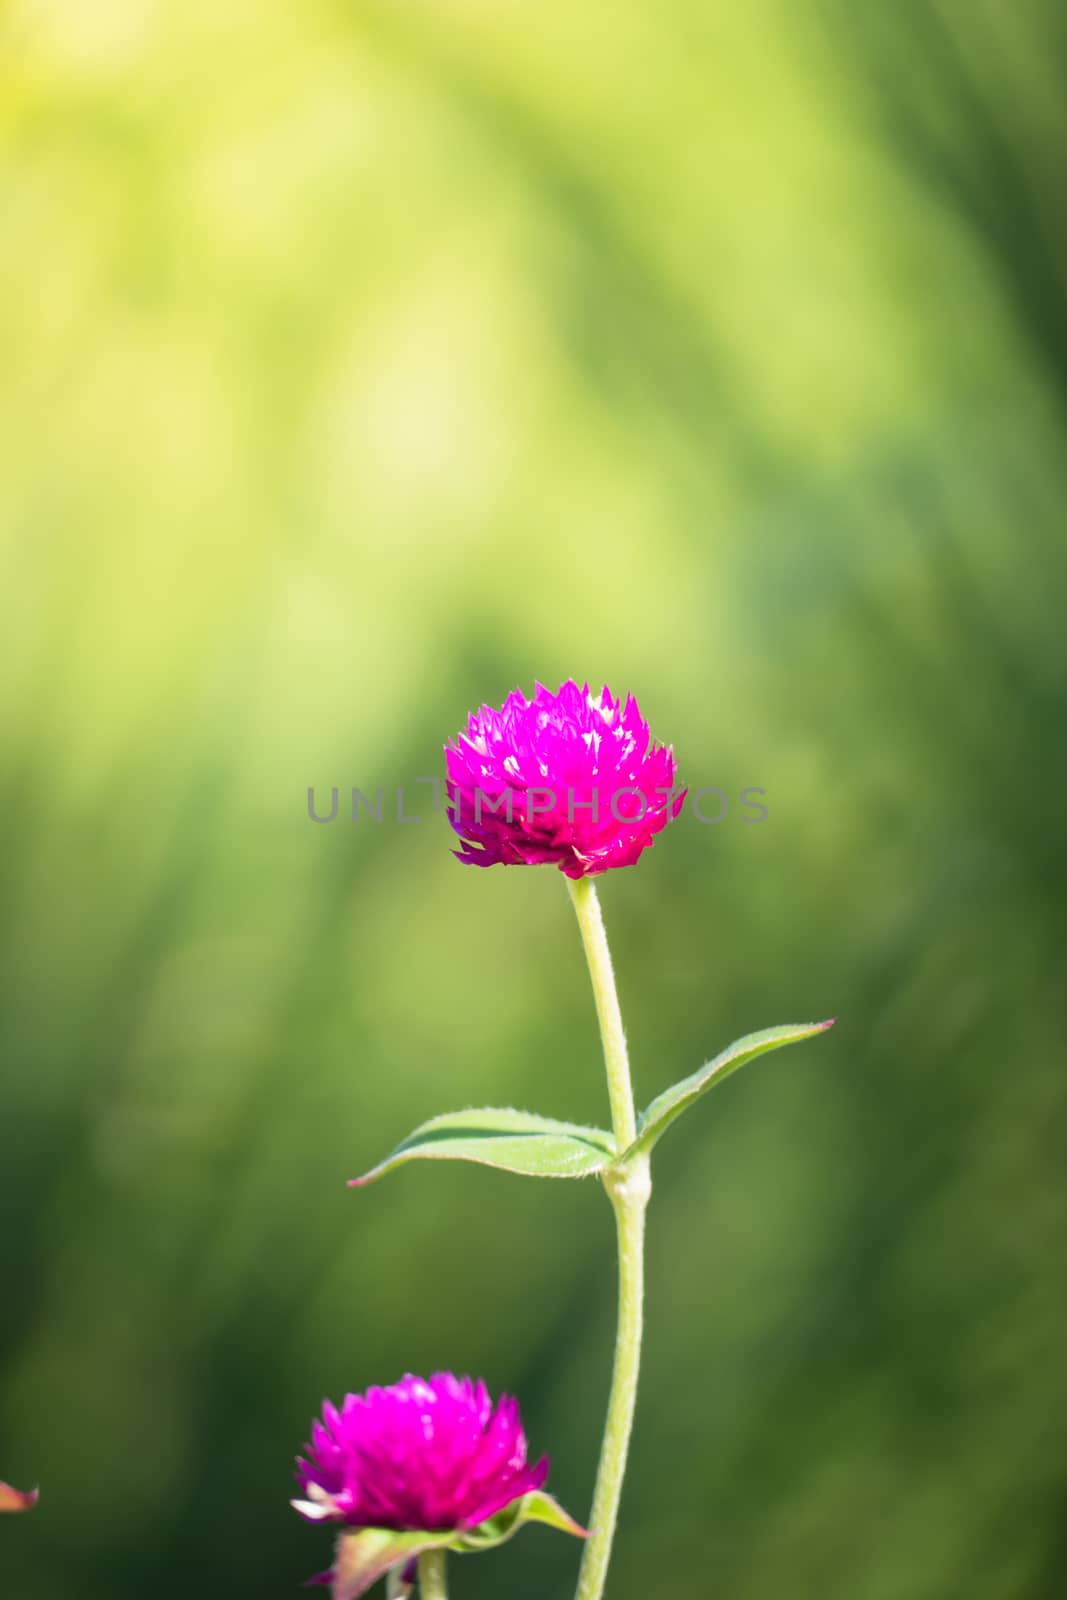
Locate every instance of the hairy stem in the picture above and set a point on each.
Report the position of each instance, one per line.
(432, 1582)
(616, 1060)
(629, 1187)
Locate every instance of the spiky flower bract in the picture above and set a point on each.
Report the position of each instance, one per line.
(571, 779)
(421, 1455)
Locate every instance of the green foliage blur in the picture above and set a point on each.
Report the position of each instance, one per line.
(361, 361)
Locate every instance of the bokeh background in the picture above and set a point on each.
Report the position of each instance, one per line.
(359, 362)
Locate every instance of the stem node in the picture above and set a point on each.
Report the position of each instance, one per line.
(630, 1184)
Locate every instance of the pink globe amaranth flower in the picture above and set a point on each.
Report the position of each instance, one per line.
(430, 1456)
(571, 779)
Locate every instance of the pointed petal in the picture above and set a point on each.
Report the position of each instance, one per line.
(17, 1499)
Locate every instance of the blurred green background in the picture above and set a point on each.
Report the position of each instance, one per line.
(361, 361)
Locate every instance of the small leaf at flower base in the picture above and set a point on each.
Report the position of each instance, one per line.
(667, 1107)
(370, 1554)
(17, 1499)
(540, 1507)
(534, 1507)
(513, 1141)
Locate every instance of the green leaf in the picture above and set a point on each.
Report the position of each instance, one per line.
(366, 1556)
(540, 1507)
(534, 1507)
(514, 1141)
(667, 1107)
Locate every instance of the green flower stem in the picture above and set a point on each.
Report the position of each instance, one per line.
(616, 1060)
(629, 1188)
(432, 1581)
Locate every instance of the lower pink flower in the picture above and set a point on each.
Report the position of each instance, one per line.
(430, 1456)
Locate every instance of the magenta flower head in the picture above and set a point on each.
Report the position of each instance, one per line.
(570, 779)
(418, 1466)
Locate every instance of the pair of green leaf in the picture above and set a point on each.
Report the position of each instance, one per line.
(517, 1141)
(368, 1554)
